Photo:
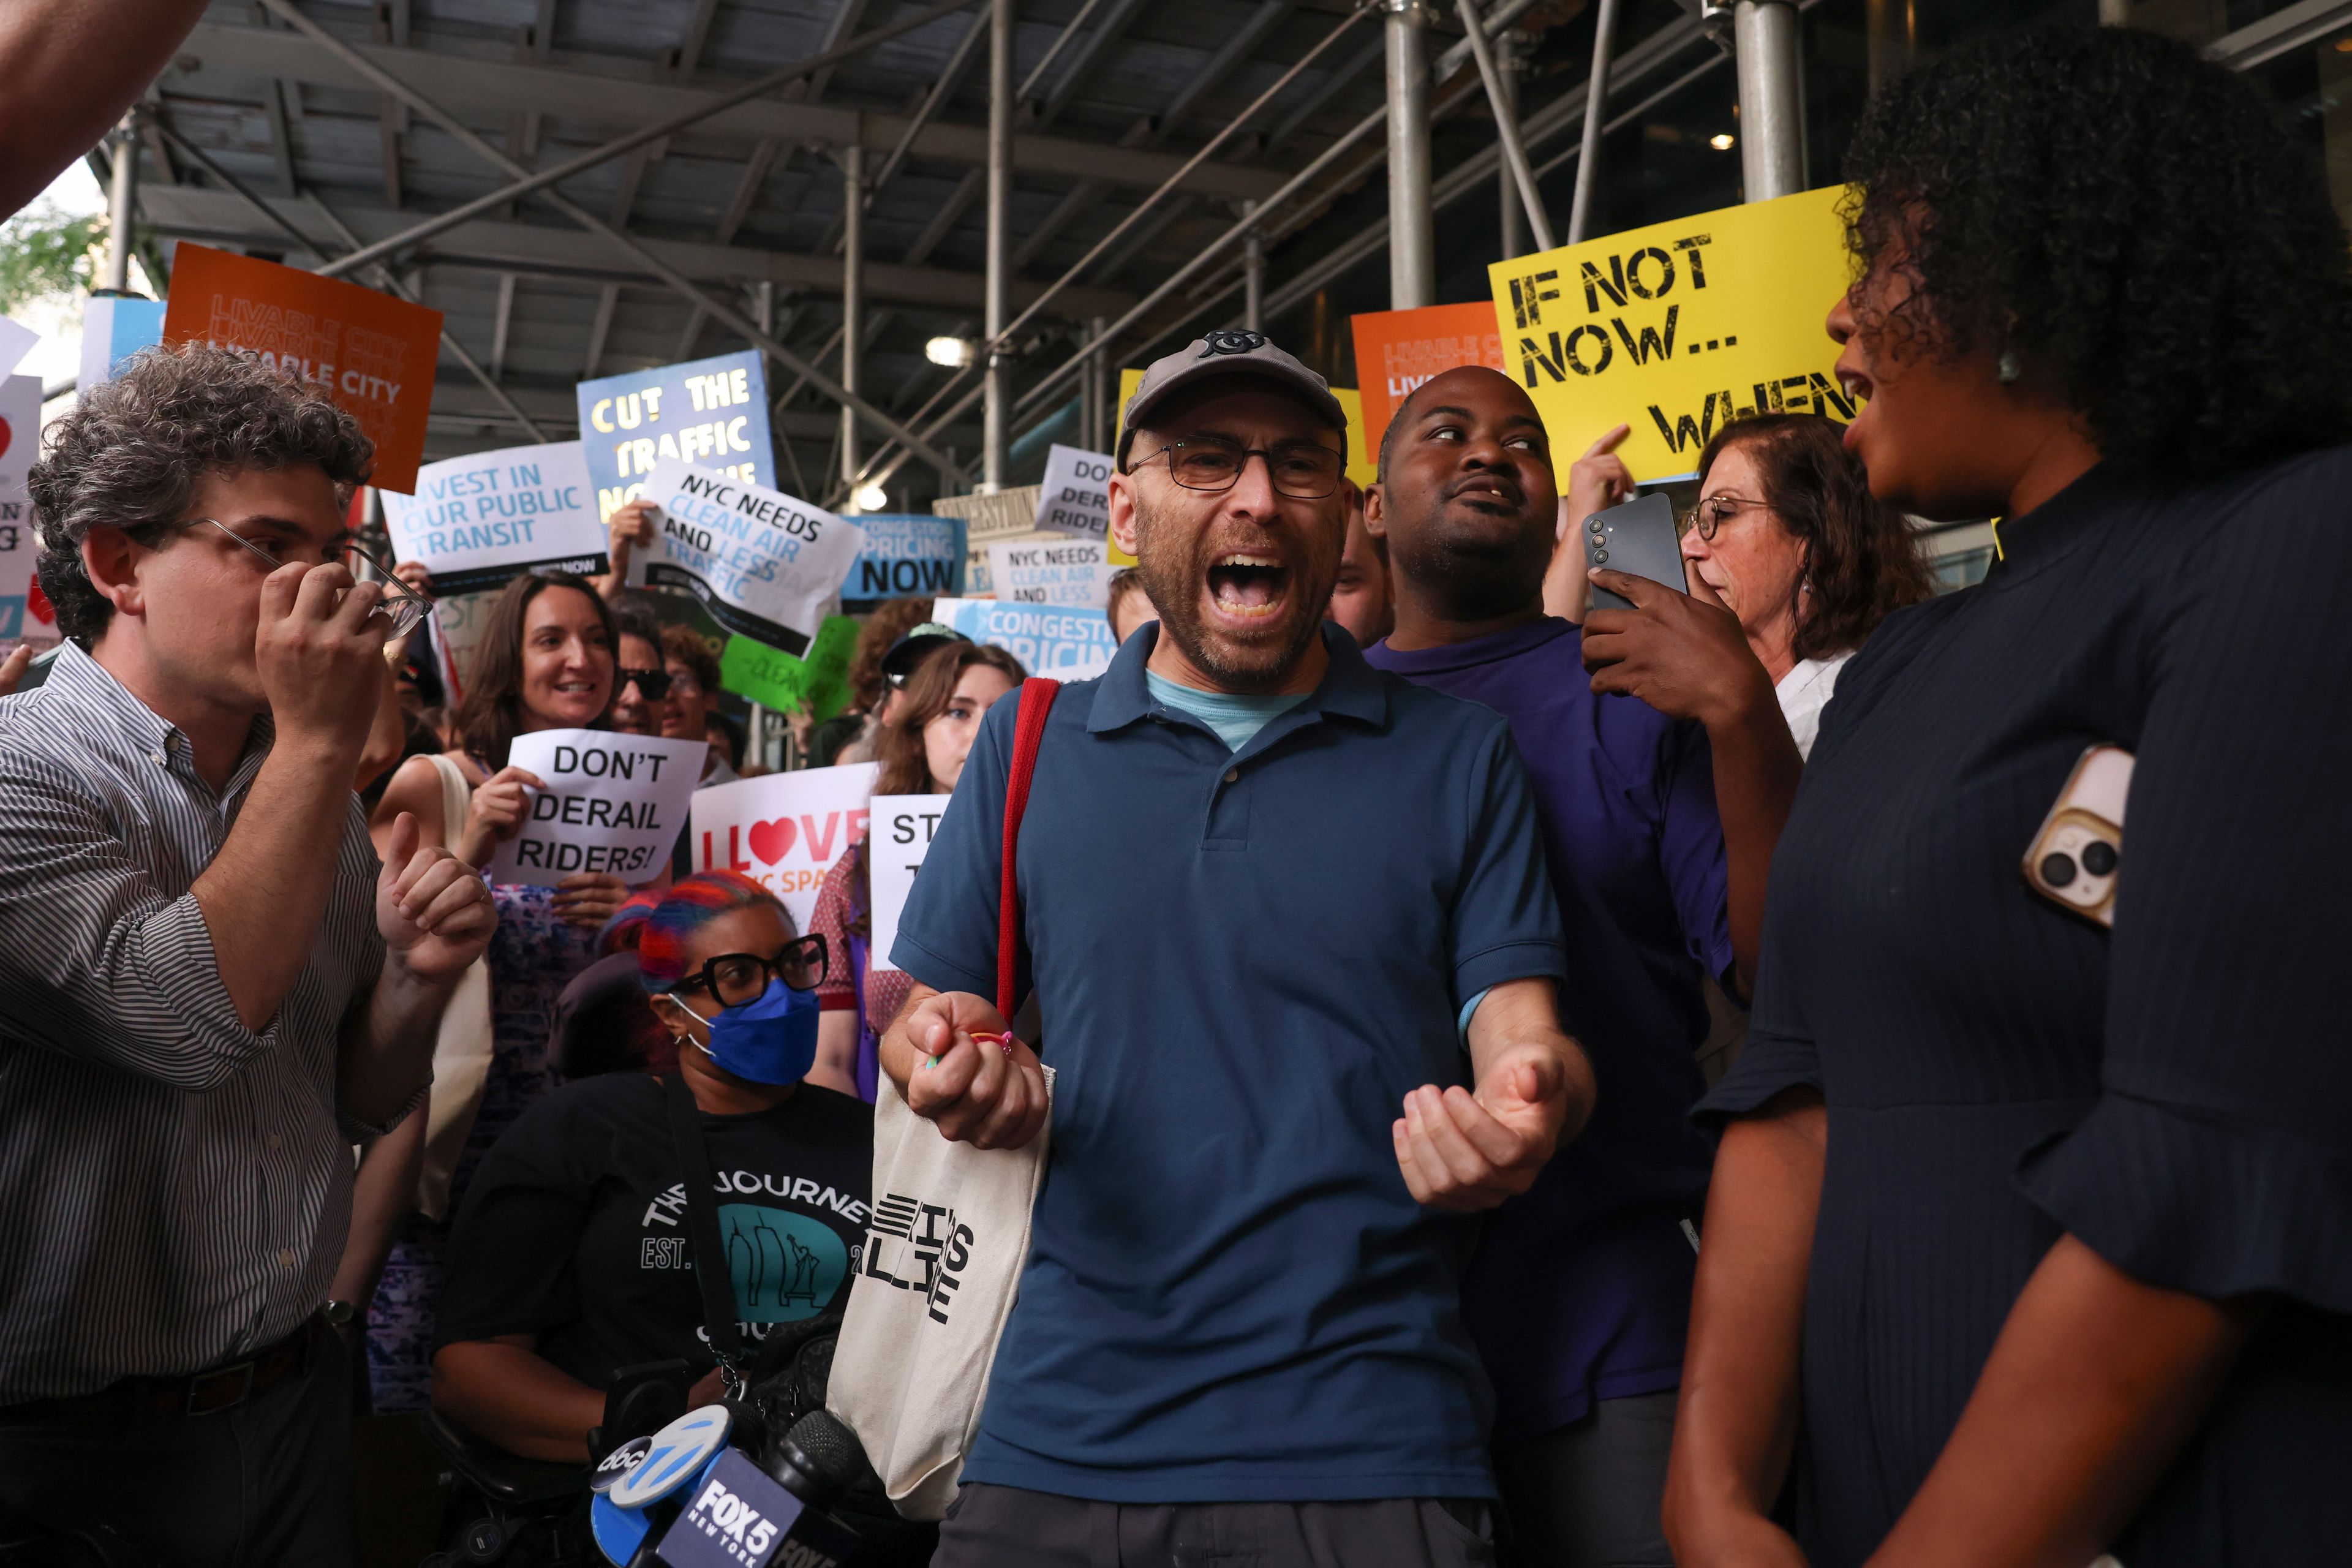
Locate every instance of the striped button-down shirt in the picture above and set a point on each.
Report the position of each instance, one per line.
(174, 1188)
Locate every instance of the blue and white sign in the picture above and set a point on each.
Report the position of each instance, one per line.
(113, 329)
(1068, 645)
(763, 564)
(709, 413)
(906, 555)
(477, 520)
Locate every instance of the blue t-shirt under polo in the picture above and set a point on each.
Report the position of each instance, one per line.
(1243, 961)
(1582, 1288)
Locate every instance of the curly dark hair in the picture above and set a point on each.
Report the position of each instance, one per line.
(132, 450)
(490, 714)
(1862, 556)
(2133, 223)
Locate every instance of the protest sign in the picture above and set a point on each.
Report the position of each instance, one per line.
(1068, 645)
(711, 412)
(1071, 573)
(477, 520)
(764, 564)
(374, 354)
(901, 830)
(783, 681)
(613, 804)
(1363, 454)
(15, 342)
(25, 613)
(905, 553)
(784, 831)
(1076, 496)
(1679, 328)
(1396, 351)
(113, 327)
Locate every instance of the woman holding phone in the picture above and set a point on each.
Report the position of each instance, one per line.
(2045, 1230)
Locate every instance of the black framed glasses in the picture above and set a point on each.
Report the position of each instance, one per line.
(735, 978)
(1302, 471)
(653, 685)
(403, 606)
(1713, 513)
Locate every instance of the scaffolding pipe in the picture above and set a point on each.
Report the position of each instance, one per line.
(733, 319)
(1507, 189)
(526, 183)
(996, 375)
(1254, 277)
(853, 301)
(1412, 229)
(1596, 116)
(1507, 125)
(1772, 157)
(122, 201)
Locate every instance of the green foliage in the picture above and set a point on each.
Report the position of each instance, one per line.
(44, 253)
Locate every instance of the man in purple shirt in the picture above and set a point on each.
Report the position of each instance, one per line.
(1579, 1297)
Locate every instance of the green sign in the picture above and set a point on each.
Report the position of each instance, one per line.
(777, 679)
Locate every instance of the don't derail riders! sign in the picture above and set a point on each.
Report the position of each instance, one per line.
(613, 805)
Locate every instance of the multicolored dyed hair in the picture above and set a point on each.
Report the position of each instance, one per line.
(628, 923)
(686, 909)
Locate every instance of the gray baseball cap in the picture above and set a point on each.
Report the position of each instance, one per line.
(1235, 352)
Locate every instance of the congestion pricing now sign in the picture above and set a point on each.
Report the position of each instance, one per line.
(1678, 329)
(709, 413)
(374, 354)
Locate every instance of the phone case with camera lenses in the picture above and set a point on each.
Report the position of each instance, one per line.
(1638, 537)
(2075, 859)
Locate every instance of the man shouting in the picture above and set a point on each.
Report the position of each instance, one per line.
(1294, 947)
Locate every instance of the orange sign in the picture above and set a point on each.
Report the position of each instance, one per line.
(373, 353)
(1396, 351)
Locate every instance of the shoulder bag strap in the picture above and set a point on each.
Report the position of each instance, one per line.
(1037, 696)
(710, 1272)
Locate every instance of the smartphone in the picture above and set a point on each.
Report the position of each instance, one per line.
(1638, 537)
(2076, 859)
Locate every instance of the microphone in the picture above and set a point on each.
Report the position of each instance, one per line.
(818, 1460)
(687, 1500)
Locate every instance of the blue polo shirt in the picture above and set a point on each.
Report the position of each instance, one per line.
(1244, 960)
(1581, 1290)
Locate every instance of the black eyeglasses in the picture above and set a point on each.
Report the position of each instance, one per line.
(1301, 470)
(403, 606)
(1712, 513)
(735, 978)
(653, 685)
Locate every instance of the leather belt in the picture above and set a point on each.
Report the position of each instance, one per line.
(198, 1394)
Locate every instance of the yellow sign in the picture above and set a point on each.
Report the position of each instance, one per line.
(1364, 462)
(1679, 328)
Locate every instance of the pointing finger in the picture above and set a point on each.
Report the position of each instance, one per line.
(1609, 442)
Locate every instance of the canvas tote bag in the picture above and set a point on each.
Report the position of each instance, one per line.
(945, 1248)
(461, 1055)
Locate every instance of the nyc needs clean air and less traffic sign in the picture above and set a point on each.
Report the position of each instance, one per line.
(1679, 328)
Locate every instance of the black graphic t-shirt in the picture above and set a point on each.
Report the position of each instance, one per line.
(575, 1230)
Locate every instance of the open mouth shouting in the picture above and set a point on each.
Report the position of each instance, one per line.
(1249, 589)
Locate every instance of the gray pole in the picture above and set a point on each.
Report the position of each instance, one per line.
(1507, 123)
(996, 416)
(2114, 12)
(1252, 277)
(1507, 182)
(1101, 389)
(122, 201)
(1771, 135)
(1596, 116)
(853, 302)
(763, 310)
(1413, 230)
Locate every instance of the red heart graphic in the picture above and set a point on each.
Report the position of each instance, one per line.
(7, 436)
(770, 841)
(38, 603)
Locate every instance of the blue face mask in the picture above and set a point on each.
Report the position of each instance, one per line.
(770, 1040)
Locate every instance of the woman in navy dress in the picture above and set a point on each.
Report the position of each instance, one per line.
(2030, 1240)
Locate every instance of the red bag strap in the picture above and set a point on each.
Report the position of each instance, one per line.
(1037, 696)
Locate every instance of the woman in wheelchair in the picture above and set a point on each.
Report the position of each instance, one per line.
(569, 1260)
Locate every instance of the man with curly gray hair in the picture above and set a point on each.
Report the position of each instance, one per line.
(209, 989)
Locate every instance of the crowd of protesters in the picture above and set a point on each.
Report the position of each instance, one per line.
(1376, 908)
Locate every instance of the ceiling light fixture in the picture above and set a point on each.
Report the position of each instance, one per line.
(953, 353)
(1721, 142)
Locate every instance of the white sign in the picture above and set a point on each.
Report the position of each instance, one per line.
(784, 831)
(15, 342)
(903, 826)
(1076, 496)
(1070, 572)
(24, 616)
(477, 520)
(1068, 644)
(612, 804)
(764, 564)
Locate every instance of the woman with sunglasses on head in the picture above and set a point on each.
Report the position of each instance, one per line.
(922, 750)
(2030, 1237)
(544, 662)
(572, 1257)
